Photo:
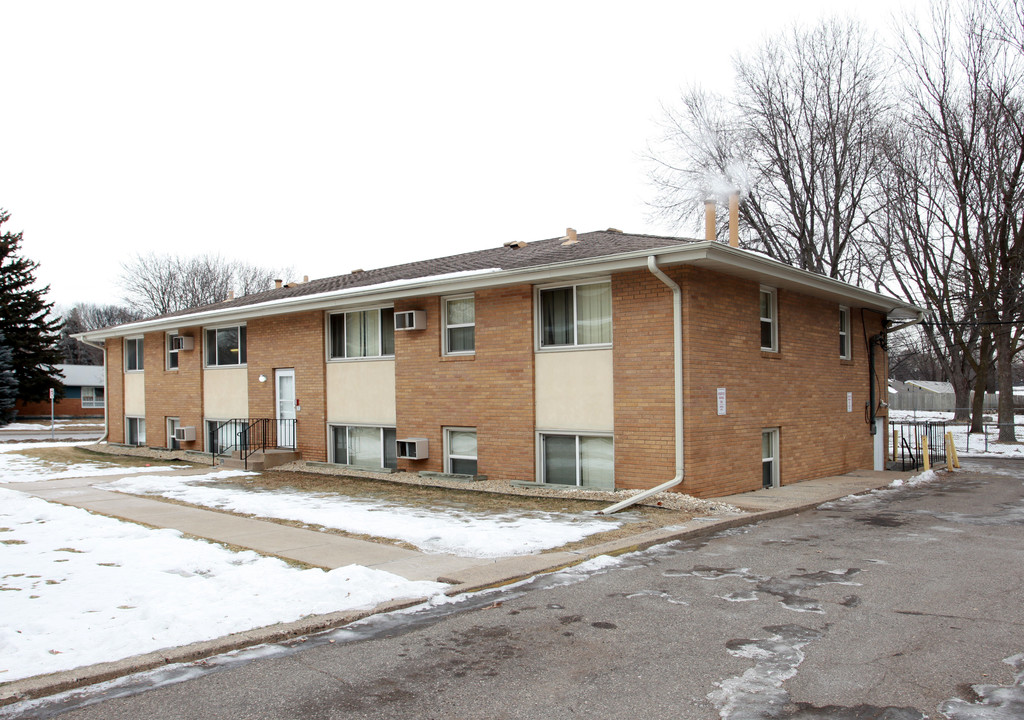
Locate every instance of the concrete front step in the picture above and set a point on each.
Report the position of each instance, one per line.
(262, 459)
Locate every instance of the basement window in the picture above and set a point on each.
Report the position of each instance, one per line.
(580, 460)
(366, 447)
(770, 458)
(135, 431)
(460, 451)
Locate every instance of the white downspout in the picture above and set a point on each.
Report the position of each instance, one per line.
(106, 421)
(677, 347)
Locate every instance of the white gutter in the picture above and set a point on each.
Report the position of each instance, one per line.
(106, 419)
(677, 352)
(916, 321)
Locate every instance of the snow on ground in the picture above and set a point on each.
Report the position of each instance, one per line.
(79, 588)
(431, 529)
(16, 468)
(974, 446)
(45, 425)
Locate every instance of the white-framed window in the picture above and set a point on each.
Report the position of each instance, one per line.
(575, 315)
(844, 332)
(135, 431)
(460, 450)
(459, 325)
(172, 352)
(769, 320)
(93, 397)
(361, 334)
(770, 457)
(365, 446)
(581, 460)
(133, 354)
(225, 346)
(173, 424)
(221, 435)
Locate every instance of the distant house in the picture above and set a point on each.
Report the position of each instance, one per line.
(603, 359)
(84, 395)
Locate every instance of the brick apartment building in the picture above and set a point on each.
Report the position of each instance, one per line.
(571, 361)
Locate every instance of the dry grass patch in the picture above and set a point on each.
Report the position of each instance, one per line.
(73, 455)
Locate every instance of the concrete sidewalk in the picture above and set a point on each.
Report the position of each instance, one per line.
(330, 551)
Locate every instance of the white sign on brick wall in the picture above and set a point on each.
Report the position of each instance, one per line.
(849, 402)
(721, 401)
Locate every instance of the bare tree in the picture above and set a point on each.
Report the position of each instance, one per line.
(955, 201)
(83, 317)
(798, 139)
(161, 284)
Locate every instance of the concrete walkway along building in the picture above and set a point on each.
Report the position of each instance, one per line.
(599, 359)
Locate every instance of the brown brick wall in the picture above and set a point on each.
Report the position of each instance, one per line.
(491, 391)
(801, 389)
(174, 393)
(291, 341)
(115, 390)
(644, 393)
(66, 408)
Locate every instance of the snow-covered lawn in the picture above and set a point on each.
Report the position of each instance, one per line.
(18, 468)
(975, 447)
(45, 425)
(431, 529)
(78, 588)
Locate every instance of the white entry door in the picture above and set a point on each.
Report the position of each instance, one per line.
(284, 380)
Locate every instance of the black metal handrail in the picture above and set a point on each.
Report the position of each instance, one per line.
(912, 435)
(252, 435)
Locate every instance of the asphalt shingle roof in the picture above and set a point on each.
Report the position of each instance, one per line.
(534, 254)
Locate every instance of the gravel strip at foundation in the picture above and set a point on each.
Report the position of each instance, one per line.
(669, 500)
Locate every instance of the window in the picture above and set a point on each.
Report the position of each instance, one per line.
(769, 326)
(225, 346)
(133, 355)
(172, 353)
(844, 332)
(222, 435)
(459, 325)
(173, 424)
(92, 397)
(135, 431)
(362, 333)
(366, 447)
(582, 460)
(576, 315)
(460, 451)
(770, 458)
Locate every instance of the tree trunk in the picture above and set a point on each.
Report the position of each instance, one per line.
(1004, 378)
(981, 384)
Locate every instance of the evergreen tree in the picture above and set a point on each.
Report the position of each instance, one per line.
(8, 384)
(31, 334)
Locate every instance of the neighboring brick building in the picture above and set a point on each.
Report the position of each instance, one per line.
(83, 395)
(548, 362)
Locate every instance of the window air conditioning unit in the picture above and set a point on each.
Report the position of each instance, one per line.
(185, 434)
(411, 320)
(412, 448)
(182, 342)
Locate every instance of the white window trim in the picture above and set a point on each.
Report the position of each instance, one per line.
(445, 326)
(331, 446)
(448, 456)
(168, 351)
(538, 320)
(206, 365)
(172, 444)
(776, 477)
(136, 418)
(92, 402)
(206, 431)
(845, 324)
(362, 358)
(774, 293)
(539, 443)
(134, 338)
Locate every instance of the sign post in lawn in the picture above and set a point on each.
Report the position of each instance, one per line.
(51, 413)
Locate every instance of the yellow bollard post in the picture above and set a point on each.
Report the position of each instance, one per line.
(951, 458)
(924, 453)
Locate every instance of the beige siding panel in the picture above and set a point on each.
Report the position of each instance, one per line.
(135, 394)
(361, 392)
(575, 390)
(226, 393)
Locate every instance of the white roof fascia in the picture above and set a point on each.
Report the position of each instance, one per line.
(712, 255)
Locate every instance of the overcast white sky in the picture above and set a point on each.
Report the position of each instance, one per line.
(329, 136)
